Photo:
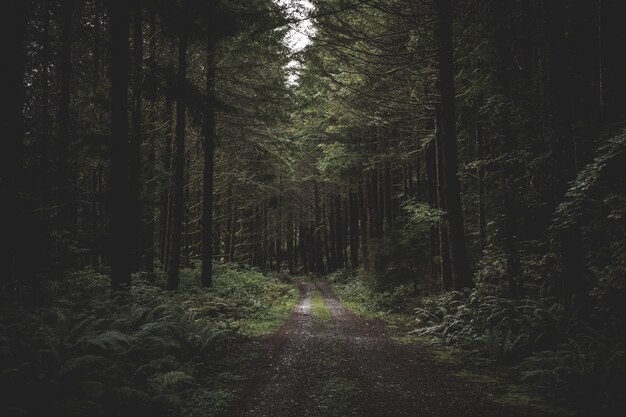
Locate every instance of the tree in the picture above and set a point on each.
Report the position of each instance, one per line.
(121, 227)
(209, 167)
(173, 272)
(454, 211)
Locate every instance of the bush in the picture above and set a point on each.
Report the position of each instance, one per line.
(94, 353)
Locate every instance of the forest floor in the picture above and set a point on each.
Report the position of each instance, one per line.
(327, 361)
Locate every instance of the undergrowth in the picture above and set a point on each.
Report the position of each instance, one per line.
(147, 352)
(577, 357)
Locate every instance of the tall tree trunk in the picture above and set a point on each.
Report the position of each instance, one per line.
(354, 229)
(230, 219)
(319, 262)
(173, 274)
(458, 248)
(279, 233)
(388, 192)
(165, 204)
(339, 235)
(64, 170)
(135, 140)
(208, 146)
(444, 236)
(373, 203)
(480, 178)
(121, 228)
(149, 171)
(12, 41)
(508, 144)
(290, 241)
(331, 236)
(363, 221)
(432, 195)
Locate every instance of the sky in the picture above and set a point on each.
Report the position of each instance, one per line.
(298, 36)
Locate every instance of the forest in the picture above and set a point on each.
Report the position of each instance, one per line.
(313, 208)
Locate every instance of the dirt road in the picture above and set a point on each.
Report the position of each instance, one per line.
(343, 365)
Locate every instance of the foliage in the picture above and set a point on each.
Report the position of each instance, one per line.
(142, 353)
(563, 354)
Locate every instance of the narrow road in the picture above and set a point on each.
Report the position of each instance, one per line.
(343, 365)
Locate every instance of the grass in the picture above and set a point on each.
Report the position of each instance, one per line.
(319, 311)
(271, 319)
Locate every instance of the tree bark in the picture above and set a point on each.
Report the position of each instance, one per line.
(64, 170)
(121, 229)
(149, 171)
(458, 248)
(135, 140)
(208, 146)
(354, 229)
(173, 274)
(444, 236)
(363, 222)
(12, 39)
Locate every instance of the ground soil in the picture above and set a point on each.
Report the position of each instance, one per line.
(349, 366)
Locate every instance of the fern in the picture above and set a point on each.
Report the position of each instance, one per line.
(172, 379)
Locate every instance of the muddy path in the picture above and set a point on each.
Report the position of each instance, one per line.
(339, 364)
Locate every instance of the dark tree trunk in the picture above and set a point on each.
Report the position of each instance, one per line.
(135, 140)
(458, 248)
(388, 192)
(319, 262)
(339, 235)
(12, 40)
(208, 146)
(121, 228)
(431, 179)
(508, 145)
(64, 169)
(373, 203)
(230, 219)
(232, 237)
(480, 178)
(149, 171)
(279, 234)
(444, 236)
(302, 242)
(325, 240)
(363, 221)
(165, 195)
(331, 236)
(173, 273)
(290, 241)
(354, 229)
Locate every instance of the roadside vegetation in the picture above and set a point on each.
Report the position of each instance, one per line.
(517, 348)
(145, 352)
